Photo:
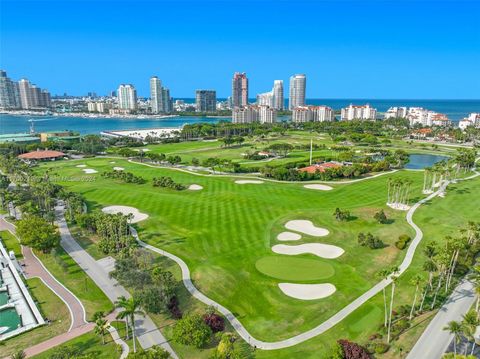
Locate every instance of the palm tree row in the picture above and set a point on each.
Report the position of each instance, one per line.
(465, 328)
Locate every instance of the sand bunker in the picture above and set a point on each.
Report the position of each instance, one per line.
(319, 249)
(89, 170)
(112, 162)
(142, 149)
(195, 187)
(81, 166)
(307, 291)
(118, 168)
(320, 187)
(248, 181)
(137, 215)
(306, 227)
(288, 236)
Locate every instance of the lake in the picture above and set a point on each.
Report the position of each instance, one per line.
(420, 161)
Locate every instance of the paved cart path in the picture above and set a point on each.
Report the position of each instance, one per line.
(146, 330)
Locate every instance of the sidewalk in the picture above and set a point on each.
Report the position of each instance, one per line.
(33, 267)
(147, 332)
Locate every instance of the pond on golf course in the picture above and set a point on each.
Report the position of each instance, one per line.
(420, 161)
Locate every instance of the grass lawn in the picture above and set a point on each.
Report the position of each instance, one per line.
(67, 271)
(225, 233)
(87, 241)
(52, 308)
(88, 343)
(120, 326)
(11, 243)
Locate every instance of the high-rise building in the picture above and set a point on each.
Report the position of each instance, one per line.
(127, 97)
(156, 102)
(9, 95)
(297, 91)
(353, 112)
(266, 99)
(27, 97)
(312, 114)
(278, 99)
(249, 114)
(167, 100)
(274, 98)
(206, 100)
(239, 90)
(396, 112)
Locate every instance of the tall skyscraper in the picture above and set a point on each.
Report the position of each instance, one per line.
(239, 90)
(278, 99)
(9, 95)
(127, 97)
(274, 98)
(167, 100)
(156, 101)
(297, 91)
(206, 100)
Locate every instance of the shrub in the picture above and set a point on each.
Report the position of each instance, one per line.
(369, 241)
(174, 309)
(353, 350)
(381, 348)
(192, 330)
(167, 182)
(215, 322)
(402, 241)
(380, 217)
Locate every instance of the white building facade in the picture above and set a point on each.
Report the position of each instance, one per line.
(313, 114)
(352, 112)
(298, 85)
(249, 114)
(156, 103)
(127, 97)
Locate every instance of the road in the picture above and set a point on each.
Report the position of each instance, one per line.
(146, 330)
(459, 302)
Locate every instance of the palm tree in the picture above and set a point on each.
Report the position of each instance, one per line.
(384, 275)
(470, 323)
(101, 328)
(19, 355)
(393, 276)
(415, 281)
(455, 328)
(131, 307)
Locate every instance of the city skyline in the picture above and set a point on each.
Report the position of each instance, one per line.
(341, 58)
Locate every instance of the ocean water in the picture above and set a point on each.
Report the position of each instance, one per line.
(454, 109)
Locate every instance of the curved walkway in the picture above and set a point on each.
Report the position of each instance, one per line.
(35, 268)
(326, 325)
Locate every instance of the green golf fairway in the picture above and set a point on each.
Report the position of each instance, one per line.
(225, 233)
(296, 269)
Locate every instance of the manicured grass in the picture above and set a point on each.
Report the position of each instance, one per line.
(88, 343)
(87, 241)
(121, 329)
(223, 230)
(11, 243)
(52, 308)
(66, 270)
(294, 268)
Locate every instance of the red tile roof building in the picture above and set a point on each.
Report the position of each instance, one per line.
(320, 167)
(41, 155)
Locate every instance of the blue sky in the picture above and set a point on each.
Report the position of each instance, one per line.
(348, 49)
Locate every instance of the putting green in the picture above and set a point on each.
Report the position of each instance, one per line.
(296, 269)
